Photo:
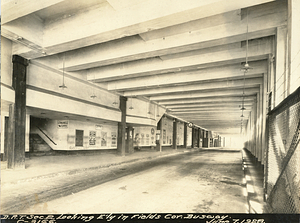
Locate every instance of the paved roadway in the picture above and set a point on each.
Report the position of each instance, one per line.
(207, 181)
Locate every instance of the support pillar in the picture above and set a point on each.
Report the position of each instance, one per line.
(161, 134)
(193, 137)
(185, 136)
(122, 127)
(17, 116)
(281, 66)
(6, 127)
(199, 136)
(174, 134)
(129, 140)
(264, 115)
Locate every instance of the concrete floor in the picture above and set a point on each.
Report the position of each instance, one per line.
(205, 181)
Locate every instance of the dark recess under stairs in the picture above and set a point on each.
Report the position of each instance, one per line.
(38, 146)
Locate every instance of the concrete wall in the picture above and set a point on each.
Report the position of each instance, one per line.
(167, 131)
(143, 112)
(144, 136)
(6, 61)
(64, 135)
(189, 136)
(180, 134)
(44, 92)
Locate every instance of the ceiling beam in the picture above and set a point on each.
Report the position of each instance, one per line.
(206, 100)
(60, 35)
(134, 48)
(157, 66)
(209, 105)
(12, 10)
(215, 107)
(195, 87)
(235, 92)
(214, 73)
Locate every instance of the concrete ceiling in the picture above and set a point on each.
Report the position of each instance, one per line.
(184, 55)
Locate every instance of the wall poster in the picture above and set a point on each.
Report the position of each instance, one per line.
(103, 138)
(62, 124)
(92, 138)
(142, 139)
(114, 139)
(164, 136)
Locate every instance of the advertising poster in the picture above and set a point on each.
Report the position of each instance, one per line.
(113, 139)
(147, 139)
(103, 139)
(92, 138)
(142, 139)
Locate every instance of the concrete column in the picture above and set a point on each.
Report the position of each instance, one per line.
(122, 127)
(129, 140)
(159, 127)
(185, 135)
(175, 134)
(264, 117)
(294, 43)
(260, 123)
(199, 136)
(5, 141)
(17, 116)
(281, 56)
(193, 137)
(256, 135)
(270, 83)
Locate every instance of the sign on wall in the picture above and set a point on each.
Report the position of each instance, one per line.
(103, 138)
(147, 139)
(62, 124)
(164, 136)
(113, 139)
(92, 139)
(98, 127)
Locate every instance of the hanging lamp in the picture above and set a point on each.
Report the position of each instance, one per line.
(243, 99)
(149, 109)
(93, 96)
(157, 111)
(131, 107)
(63, 86)
(115, 101)
(246, 66)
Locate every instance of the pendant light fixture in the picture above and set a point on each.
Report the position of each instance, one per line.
(246, 66)
(63, 86)
(242, 126)
(243, 98)
(115, 103)
(245, 69)
(131, 107)
(93, 96)
(149, 109)
(157, 111)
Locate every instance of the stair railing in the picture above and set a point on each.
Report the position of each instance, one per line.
(46, 135)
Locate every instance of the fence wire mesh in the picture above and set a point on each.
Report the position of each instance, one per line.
(282, 180)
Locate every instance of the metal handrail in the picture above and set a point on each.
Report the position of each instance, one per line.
(46, 135)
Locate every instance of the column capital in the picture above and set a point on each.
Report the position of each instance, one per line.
(20, 60)
(123, 98)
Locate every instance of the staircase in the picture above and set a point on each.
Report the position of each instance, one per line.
(38, 145)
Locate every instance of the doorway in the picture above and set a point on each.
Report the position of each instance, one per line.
(79, 138)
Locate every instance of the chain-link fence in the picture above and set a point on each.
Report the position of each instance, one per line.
(282, 180)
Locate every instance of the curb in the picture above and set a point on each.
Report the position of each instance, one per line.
(80, 170)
